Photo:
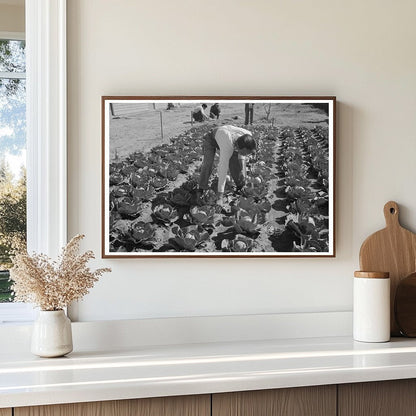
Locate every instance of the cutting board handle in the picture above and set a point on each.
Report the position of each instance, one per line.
(391, 214)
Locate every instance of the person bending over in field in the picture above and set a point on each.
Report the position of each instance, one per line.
(198, 113)
(233, 144)
(214, 111)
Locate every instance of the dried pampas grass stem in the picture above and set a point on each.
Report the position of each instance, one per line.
(53, 285)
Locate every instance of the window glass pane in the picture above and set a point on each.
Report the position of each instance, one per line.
(12, 56)
(12, 174)
(13, 121)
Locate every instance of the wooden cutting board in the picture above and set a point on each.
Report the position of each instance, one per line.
(393, 250)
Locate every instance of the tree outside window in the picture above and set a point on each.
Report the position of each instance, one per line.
(12, 156)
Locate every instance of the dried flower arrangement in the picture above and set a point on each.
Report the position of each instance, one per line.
(53, 285)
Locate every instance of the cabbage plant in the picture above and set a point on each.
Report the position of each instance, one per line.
(116, 178)
(143, 194)
(142, 233)
(240, 244)
(159, 183)
(189, 238)
(165, 213)
(244, 223)
(181, 197)
(128, 208)
(201, 215)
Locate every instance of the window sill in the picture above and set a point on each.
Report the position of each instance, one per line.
(16, 313)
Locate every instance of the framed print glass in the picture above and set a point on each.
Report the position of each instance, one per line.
(218, 176)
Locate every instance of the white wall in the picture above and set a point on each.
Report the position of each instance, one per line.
(361, 51)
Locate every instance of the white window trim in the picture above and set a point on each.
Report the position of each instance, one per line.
(46, 134)
(13, 75)
(46, 125)
(12, 35)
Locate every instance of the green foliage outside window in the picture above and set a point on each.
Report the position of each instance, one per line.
(12, 147)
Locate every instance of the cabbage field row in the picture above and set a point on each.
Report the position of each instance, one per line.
(283, 208)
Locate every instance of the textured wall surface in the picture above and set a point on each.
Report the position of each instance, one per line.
(361, 52)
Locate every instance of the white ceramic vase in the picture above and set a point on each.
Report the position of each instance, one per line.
(52, 334)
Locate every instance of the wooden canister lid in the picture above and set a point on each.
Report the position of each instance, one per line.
(372, 275)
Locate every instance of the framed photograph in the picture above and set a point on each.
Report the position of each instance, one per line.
(218, 177)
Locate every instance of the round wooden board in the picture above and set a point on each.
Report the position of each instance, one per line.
(405, 306)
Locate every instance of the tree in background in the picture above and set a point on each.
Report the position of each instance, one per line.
(12, 213)
(12, 223)
(12, 145)
(12, 98)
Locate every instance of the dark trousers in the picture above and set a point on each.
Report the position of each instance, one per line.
(214, 111)
(209, 148)
(249, 110)
(198, 116)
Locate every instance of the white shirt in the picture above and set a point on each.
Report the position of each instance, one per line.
(226, 136)
(198, 109)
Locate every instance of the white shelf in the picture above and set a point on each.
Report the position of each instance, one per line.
(151, 371)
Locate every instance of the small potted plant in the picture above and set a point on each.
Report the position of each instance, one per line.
(52, 286)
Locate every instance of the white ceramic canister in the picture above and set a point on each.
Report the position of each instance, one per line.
(371, 309)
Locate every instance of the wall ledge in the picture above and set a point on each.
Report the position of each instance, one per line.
(125, 334)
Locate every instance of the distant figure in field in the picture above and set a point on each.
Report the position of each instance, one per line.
(214, 111)
(249, 110)
(233, 144)
(198, 113)
(170, 106)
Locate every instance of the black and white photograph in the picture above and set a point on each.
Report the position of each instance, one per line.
(218, 176)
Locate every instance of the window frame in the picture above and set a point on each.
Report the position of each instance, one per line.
(46, 138)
